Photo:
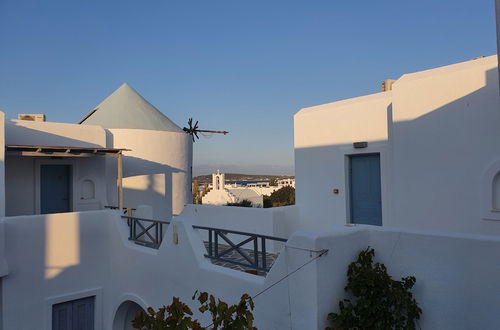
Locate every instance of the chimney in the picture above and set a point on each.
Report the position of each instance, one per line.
(31, 116)
(387, 85)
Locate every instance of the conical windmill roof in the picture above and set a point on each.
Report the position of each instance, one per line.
(125, 108)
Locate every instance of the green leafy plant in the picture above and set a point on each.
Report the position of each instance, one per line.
(235, 317)
(281, 197)
(381, 302)
(273, 182)
(178, 316)
(243, 203)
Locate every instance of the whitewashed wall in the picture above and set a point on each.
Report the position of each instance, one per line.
(456, 279)
(218, 197)
(437, 135)
(445, 140)
(4, 269)
(22, 183)
(2, 163)
(75, 255)
(323, 138)
(497, 15)
(22, 173)
(154, 152)
(275, 221)
(25, 132)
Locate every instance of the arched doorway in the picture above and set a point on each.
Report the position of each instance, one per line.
(125, 314)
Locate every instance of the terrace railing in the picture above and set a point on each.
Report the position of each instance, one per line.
(250, 252)
(221, 244)
(146, 232)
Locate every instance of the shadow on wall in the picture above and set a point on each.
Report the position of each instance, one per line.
(434, 162)
(63, 261)
(146, 183)
(21, 135)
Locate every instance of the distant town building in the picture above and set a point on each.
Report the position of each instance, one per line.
(223, 193)
(288, 182)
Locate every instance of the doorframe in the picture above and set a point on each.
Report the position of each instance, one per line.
(72, 189)
(385, 180)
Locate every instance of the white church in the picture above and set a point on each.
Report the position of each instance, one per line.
(96, 221)
(222, 193)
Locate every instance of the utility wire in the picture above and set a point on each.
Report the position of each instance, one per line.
(321, 253)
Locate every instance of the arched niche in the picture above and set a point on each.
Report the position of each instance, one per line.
(125, 314)
(87, 189)
(495, 193)
(490, 197)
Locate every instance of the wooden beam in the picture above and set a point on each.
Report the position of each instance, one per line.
(119, 181)
(49, 154)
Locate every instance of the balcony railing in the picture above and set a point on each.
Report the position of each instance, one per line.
(146, 232)
(221, 245)
(250, 253)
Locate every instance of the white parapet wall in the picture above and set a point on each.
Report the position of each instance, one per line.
(456, 274)
(25, 132)
(76, 255)
(4, 269)
(274, 221)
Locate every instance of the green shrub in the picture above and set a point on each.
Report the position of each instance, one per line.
(281, 197)
(381, 303)
(178, 315)
(243, 203)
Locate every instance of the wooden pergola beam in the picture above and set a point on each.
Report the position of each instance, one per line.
(119, 180)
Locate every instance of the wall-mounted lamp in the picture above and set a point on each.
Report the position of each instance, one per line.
(360, 145)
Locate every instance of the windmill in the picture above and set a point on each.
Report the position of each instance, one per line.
(193, 130)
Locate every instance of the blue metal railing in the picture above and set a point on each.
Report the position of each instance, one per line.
(253, 258)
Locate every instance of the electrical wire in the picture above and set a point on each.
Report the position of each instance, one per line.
(321, 253)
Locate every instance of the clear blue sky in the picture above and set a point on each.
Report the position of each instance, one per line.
(243, 66)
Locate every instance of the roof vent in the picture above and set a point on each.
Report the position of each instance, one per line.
(31, 116)
(387, 85)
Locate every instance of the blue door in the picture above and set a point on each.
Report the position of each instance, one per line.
(74, 315)
(365, 193)
(55, 188)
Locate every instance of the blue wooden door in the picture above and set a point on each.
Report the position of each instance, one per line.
(365, 193)
(74, 315)
(55, 185)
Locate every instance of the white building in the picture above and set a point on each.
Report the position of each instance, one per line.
(287, 182)
(419, 156)
(223, 193)
(420, 160)
(157, 158)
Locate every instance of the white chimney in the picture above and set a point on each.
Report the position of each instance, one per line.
(31, 116)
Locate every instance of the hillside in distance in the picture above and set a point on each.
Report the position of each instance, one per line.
(241, 177)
